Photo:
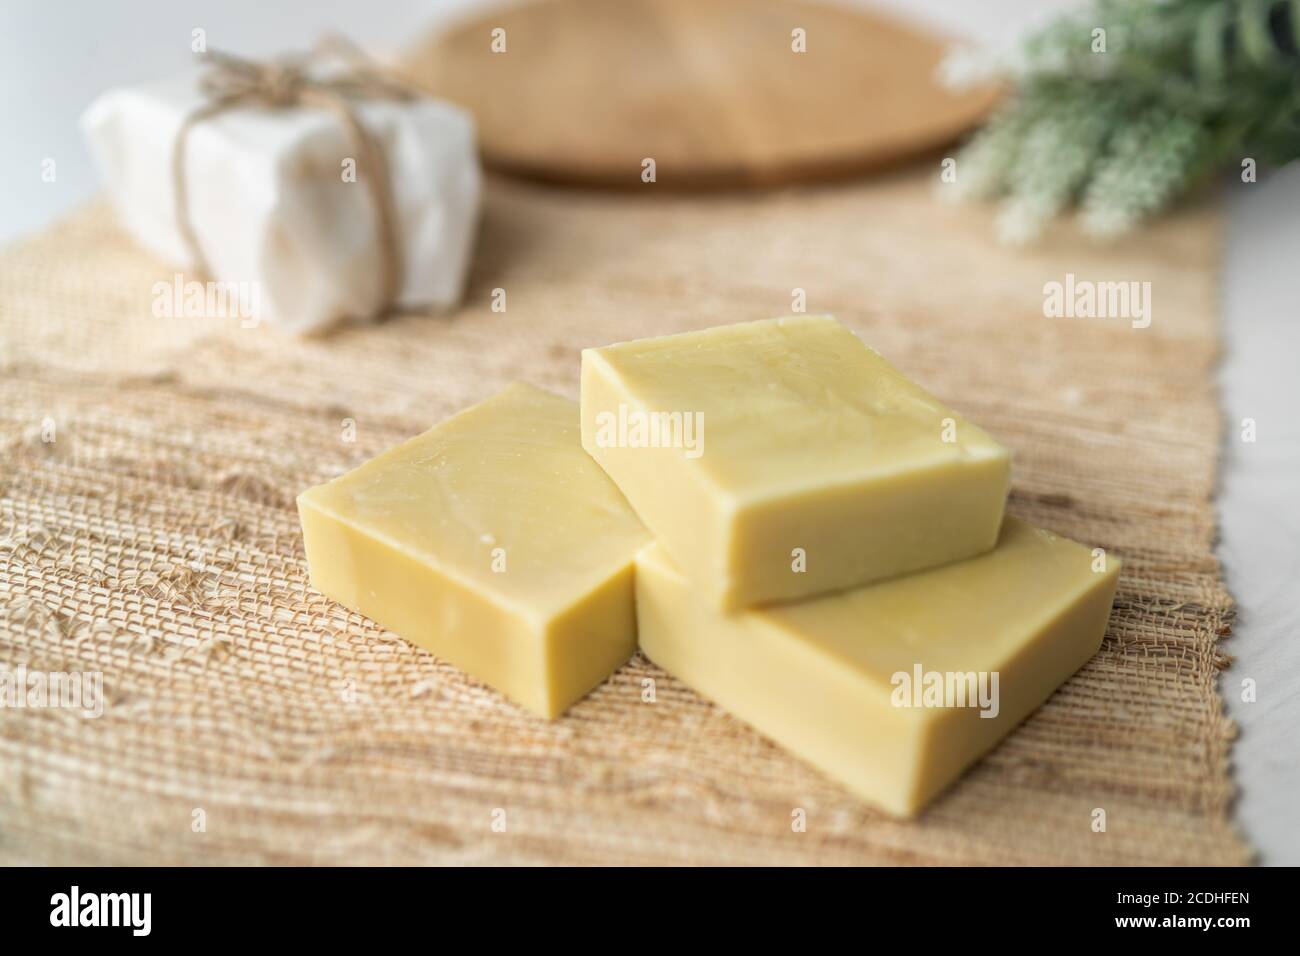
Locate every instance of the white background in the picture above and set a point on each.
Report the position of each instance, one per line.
(55, 57)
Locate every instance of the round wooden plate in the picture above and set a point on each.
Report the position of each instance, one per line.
(584, 91)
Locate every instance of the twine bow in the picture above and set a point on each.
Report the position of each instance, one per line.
(234, 81)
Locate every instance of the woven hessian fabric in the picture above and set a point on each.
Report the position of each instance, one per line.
(155, 540)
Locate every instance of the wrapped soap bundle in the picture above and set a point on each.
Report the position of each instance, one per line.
(320, 189)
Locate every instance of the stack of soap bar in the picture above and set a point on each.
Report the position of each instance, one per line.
(780, 459)
(495, 542)
(832, 563)
(848, 681)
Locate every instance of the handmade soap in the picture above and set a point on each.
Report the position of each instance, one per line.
(784, 458)
(493, 541)
(278, 214)
(893, 688)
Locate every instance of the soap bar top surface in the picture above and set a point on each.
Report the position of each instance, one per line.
(508, 473)
(773, 393)
(970, 615)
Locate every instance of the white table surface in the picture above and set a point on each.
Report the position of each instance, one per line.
(56, 56)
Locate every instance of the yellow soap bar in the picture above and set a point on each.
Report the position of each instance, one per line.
(493, 541)
(894, 688)
(781, 459)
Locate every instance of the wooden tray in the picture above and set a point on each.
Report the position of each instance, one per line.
(586, 90)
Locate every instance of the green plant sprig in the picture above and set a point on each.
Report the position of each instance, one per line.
(1123, 122)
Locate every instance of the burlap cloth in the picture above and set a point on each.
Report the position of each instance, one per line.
(156, 541)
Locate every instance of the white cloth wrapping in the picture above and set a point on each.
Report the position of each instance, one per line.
(271, 208)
